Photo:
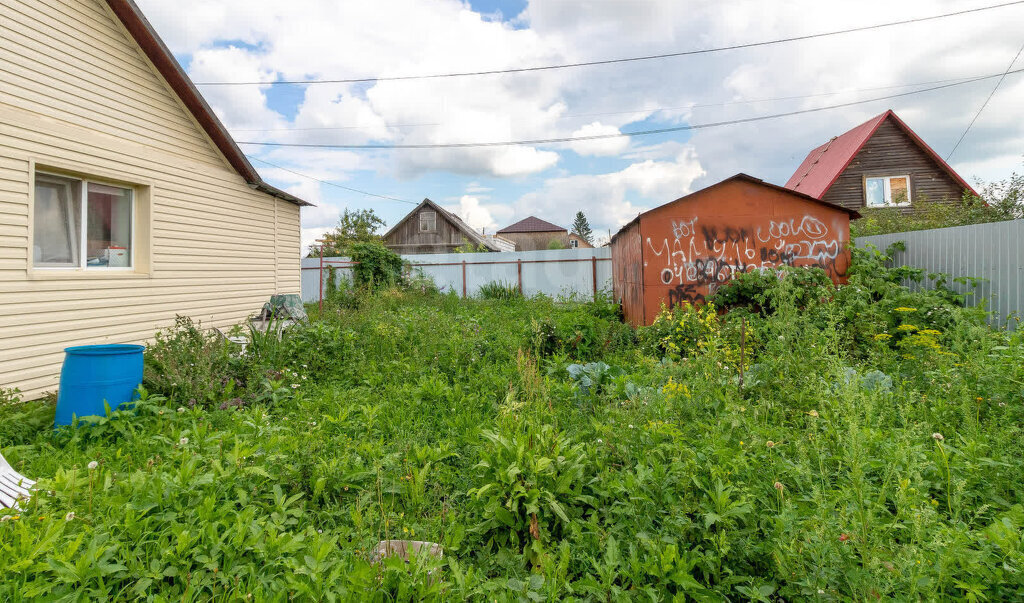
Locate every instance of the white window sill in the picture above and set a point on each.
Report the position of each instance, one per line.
(883, 206)
(41, 274)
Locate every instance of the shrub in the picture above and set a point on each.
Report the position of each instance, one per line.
(751, 290)
(376, 265)
(187, 364)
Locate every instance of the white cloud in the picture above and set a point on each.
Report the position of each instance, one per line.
(603, 147)
(310, 236)
(480, 216)
(258, 39)
(612, 199)
(237, 106)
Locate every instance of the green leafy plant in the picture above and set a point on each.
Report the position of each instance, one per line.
(530, 488)
(500, 291)
(376, 266)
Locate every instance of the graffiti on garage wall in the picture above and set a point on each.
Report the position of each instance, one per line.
(697, 257)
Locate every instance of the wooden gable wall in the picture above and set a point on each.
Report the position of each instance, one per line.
(408, 238)
(891, 152)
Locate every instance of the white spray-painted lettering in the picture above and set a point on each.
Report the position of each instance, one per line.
(700, 256)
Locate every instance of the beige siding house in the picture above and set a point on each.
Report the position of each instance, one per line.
(123, 200)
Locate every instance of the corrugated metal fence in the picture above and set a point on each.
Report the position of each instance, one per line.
(994, 252)
(561, 272)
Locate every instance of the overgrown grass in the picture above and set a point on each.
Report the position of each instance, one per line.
(858, 459)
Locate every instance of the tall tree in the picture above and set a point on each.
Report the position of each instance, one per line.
(581, 228)
(355, 226)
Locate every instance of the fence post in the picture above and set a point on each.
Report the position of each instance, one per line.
(593, 266)
(519, 272)
(463, 279)
(320, 275)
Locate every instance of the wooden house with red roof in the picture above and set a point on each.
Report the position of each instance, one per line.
(880, 163)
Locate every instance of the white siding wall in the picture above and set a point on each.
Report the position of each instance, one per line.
(78, 95)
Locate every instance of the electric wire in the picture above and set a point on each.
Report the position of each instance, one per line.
(984, 104)
(618, 60)
(645, 110)
(329, 183)
(565, 139)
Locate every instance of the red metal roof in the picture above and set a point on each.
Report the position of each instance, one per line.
(532, 224)
(823, 166)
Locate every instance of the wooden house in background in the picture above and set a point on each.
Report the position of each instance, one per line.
(578, 242)
(880, 163)
(429, 228)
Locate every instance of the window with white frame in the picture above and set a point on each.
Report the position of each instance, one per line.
(574, 243)
(81, 224)
(887, 191)
(428, 221)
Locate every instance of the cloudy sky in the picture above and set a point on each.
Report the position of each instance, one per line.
(611, 180)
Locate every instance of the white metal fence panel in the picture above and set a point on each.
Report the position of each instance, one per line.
(994, 252)
(558, 273)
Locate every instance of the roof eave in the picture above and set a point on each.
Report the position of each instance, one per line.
(924, 146)
(149, 41)
(854, 214)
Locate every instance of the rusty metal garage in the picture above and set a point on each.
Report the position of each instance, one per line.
(683, 250)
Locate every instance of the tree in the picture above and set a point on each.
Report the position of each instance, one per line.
(581, 228)
(355, 226)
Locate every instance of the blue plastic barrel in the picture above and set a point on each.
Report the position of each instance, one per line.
(93, 374)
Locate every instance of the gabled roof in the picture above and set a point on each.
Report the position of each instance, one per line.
(142, 31)
(475, 237)
(746, 178)
(532, 224)
(823, 166)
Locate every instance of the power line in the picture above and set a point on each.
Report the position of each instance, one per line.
(778, 98)
(326, 128)
(614, 61)
(645, 110)
(984, 104)
(329, 183)
(542, 141)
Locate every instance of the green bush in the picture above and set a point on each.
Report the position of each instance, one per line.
(376, 266)
(188, 364)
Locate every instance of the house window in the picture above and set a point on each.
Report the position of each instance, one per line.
(81, 224)
(574, 243)
(428, 221)
(887, 191)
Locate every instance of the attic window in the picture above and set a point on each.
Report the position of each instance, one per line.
(887, 191)
(428, 221)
